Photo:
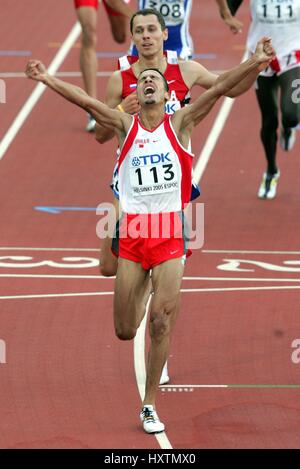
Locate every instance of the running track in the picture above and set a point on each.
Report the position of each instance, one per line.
(67, 382)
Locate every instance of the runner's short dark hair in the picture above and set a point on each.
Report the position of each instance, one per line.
(161, 74)
(146, 12)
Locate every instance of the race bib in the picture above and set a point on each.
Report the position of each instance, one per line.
(173, 104)
(171, 10)
(277, 11)
(153, 174)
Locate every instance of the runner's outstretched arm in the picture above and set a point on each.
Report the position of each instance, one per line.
(185, 119)
(249, 80)
(196, 74)
(115, 100)
(103, 114)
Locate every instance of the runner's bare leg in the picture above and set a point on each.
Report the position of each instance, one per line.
(132, 290)
(87, 17)
(166, 281)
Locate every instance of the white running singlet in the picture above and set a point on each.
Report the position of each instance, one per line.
(155, 171)
(280, 20)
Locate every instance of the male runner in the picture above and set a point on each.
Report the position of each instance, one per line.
(147, 194)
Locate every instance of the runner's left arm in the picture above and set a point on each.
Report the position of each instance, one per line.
(185, 119)
(235, 25)
(195, 74)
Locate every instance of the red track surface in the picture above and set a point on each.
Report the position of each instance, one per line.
(68, 383)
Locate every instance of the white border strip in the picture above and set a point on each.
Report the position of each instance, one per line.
(38, 90)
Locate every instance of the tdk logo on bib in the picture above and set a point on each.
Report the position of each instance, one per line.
(172, 106)
(150, 159)
(135, 161)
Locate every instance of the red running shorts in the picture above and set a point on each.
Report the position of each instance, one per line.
(147, 242)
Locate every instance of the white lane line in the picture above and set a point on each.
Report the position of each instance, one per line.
(140, 371)
(189, 387)
(281, 287)
(212, 139)
(57, 74)
(103, 73)
(245, 279)
(38, 90)
(184, 290)
(96, 277)
(213, 136)
(231, 251)
(215, 279)
(47, 249)
(205, 251)
(170, 386)
(55, 295)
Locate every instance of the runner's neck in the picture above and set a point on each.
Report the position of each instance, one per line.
(152, 117)
(160, 63)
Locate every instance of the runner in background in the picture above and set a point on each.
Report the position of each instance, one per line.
(177, 15)
(118, 13)
(276, 87)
